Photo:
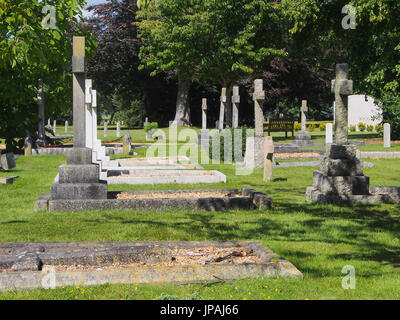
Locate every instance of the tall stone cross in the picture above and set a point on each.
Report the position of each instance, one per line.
(88, 113)
(78, 85)
(222, 109)
(235, 107)
(342, 87)
(304, 110)
(259, 97)
(204, 114)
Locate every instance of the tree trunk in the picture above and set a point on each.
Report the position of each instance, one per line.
(182, 116)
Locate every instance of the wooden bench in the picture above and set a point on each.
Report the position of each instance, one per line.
(279, 125)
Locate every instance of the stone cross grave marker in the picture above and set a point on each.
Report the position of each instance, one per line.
(235, 107)
(259, 97)
(204, 137)
(118, 129)
(304, 110)
(269, 150)
(79, 178)
(329, 133)
(342, 87)
(222, 109)
(387, 135)
(146, 122)
(105, 128)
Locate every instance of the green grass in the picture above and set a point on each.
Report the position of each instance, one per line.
(318, 239)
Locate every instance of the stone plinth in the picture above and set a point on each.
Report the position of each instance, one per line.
(254, 157)
(340, 176)
(302, 138)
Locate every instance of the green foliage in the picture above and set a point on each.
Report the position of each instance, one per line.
(352, 128)
(379, 128)
(370, 128)
(297, 126)
(151, 126)
(391, 113)
(322, 127)
(311, 127)
(218, 41)
(361, 126)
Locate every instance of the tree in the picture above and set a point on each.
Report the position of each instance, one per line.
(33, 48)
(209, 41)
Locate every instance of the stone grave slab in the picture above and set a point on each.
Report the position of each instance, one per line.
(37, 265)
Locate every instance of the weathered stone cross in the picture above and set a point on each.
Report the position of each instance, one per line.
(204, 114)
(259, 97)
(304, 110)
(342, 88)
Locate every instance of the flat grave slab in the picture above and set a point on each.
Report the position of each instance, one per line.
(51, 265)
(8, 180)
(134, 177)
(190, 200)
(145, 162)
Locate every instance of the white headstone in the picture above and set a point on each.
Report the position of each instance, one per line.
(387, 135)
(66, 126)
(105, 128)
(363, 109)
(54, 126)
(88, 114)
(118, 129)
(329, 133)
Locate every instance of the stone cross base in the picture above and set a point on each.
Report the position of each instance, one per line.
(254, 158)
(340, 175)
(203, 139)
(79, 178)
(302, 138)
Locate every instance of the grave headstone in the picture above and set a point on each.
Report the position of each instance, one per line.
(329, 133)
(387, 135)
(146, 122)
(118, 129)
(66, 127)
(28, 145)
(48, 122)
(204, 137)
(222, 109)
(303, 138)
(105, 129)
(254, 157)
(341, 172)
(235, 107)
(55, 127)
(268, 158)
(7, 161)
(127, 143)
(79, 178)
(99, 151)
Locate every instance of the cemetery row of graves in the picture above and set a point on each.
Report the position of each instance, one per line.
(271, 220)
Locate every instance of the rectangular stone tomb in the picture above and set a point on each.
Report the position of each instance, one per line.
(190, 200)
(51, 265)
(134, 177)
(148, 162)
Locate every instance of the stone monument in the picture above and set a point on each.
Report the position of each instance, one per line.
(146, 122)
(341, 172)
(235, 107)
(269, 150)
(329, 133)
(7, 161)
(303, 138)
(55, 127)
(254, 157)
(79, 178)
(105, 129)
(204, 136)
(127, 143)
(99, 151)
(28, 145)
(222, 109)
(387, 135)
(66, 127)
(118, 129)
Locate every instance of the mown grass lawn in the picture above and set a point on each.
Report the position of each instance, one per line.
(318, 239)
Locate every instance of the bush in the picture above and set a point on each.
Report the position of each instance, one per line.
(391, 113)
(361, 126)
(297, 126)
(322, 127)
(311, 127)
(379, 128)
(150, 127)
(352, 128)
(370, 128)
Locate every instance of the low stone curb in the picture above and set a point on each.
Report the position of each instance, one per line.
(380, 155)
